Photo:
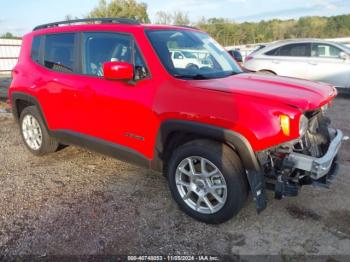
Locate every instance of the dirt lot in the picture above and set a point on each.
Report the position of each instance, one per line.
(4, 85)
(75, 202)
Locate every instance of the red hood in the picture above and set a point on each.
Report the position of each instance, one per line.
(303, 94)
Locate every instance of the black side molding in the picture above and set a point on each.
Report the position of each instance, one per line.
(82, 140)
(101, 146)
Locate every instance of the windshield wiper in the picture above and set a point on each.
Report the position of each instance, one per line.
(233, 73)
(195, 77)
(201, 76)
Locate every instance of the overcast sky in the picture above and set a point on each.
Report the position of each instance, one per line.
(20, 16)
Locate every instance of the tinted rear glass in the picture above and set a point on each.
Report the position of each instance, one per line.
(35, 49)
(296, 50)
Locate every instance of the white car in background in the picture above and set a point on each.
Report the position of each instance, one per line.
(310, 59)
(187, 59)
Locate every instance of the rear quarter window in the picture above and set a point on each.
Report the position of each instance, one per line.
(273, 52)
(35, 51)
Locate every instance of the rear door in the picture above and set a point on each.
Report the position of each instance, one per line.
(290, 60)
(56, 84)
(326, 65)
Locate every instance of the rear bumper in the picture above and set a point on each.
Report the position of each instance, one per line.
(318, 167)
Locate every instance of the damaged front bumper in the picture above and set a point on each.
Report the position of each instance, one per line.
(318, 167)
(285, 171)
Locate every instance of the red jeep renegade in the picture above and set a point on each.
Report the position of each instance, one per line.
(171, 99)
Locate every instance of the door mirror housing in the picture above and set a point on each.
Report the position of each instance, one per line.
(343, 55)
(118, 71)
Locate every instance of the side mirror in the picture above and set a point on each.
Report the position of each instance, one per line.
(118, 71)
(343, 55)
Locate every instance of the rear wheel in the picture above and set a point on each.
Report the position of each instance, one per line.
(207, 181)
(34, 132)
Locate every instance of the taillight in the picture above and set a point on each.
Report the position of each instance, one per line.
(248, 58)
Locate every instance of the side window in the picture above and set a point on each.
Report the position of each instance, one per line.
(59, 52)
(297, 50)
(178, 55)
(99, 48)
(273, 52)
(34, 54)
(325, 50)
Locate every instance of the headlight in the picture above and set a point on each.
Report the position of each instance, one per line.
(325, 108)
(303, 125)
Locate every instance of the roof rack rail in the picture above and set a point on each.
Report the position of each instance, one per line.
(90, 20)
(188, 26)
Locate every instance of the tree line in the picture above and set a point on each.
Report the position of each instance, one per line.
(231, 33)
(227, 31)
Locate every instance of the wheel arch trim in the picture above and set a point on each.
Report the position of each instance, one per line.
(232, 138)
(15, 96)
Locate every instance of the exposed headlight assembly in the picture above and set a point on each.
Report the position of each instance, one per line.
(325, 108)
(303, 125)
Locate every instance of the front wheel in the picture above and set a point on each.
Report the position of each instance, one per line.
(207, 181)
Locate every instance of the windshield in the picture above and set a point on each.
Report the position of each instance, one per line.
(192, 55)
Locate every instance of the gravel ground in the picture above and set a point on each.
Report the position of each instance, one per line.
(75, 202)
(5, 82)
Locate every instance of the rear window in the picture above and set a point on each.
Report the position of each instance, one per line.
(35, 49)
(59, 52)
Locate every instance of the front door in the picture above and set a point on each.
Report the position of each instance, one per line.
(326, 65)
(290, 60)
(116, 111)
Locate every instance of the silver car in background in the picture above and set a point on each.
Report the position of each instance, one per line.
(311, 59)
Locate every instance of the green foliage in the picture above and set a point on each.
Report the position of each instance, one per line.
(175, 18)
(9, 36)
(164, 18)
(230, 33)
(121, 9)
(181, 18)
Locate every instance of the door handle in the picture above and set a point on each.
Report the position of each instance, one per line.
(275, 61)
(313, 63)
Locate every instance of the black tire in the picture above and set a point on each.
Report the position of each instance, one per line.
(49, 144)
(228, 162)
(192, 67)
